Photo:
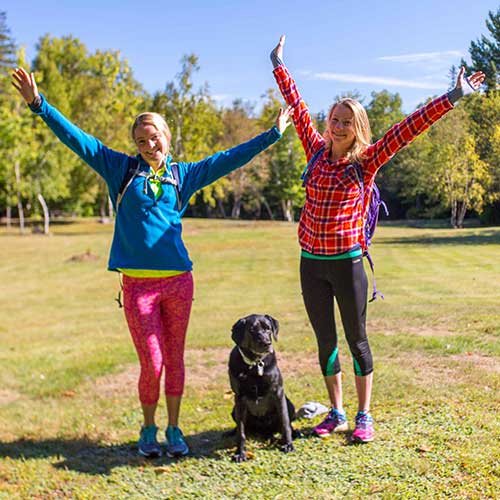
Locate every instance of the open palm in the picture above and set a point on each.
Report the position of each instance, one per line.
(25, 84)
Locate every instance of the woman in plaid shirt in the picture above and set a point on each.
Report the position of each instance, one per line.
(331, 228)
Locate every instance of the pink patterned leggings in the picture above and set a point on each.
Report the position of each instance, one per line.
(157, 312)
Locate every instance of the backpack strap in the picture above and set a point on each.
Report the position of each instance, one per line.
(310, 165)
(134, 170)
(175, 174)
(359, 176)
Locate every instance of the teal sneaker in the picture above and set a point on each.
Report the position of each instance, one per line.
(176, 446)
(148, 445)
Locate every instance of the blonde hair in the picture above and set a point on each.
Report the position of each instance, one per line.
(362, 129)
(155, 119)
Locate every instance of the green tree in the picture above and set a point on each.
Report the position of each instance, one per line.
(107, 107)
(484, 113)
(64, 179)
(286, 161)
(15, 132)
(16, 150)
(194, 122)
(98, 93)
(8, 48)
(485, 52)
(244, 184)
(7, 109)
(384, 110)
(451, 171)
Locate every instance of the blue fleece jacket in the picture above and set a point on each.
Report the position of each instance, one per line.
(148, 231)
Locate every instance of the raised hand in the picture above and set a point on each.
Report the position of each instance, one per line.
(283, 119)
(25, 84)
(278, 50)
(471, 83)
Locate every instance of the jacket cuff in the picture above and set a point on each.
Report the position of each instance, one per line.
(455, 94)
(275, 133)
(276, 60)
(36, 105)
(466, 89)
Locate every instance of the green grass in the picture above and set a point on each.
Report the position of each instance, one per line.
(69, 415)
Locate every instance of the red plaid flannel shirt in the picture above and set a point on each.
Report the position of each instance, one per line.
(331, 221)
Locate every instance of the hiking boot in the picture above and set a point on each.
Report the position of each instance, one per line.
(335, 421)
(176, 446)
(363, 433)
(148, 445)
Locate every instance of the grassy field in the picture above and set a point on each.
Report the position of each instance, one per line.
(69, 416)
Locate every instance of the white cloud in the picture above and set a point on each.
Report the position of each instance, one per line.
(222, 97)
(377, 80)
(429, 57)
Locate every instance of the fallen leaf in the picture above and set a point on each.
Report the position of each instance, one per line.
(424, 448)
(162, 470)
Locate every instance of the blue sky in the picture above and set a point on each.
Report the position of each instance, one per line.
(332, 46)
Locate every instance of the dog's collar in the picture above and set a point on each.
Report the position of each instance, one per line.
(259, 363)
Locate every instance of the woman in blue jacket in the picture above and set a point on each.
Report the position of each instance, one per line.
(147, 244)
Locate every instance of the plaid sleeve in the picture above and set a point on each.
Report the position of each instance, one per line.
(403, 133)
(311, 139)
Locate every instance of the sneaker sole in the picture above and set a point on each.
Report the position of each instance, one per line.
(339, 428)
(150, 455)
(177, 455)
(361, 441)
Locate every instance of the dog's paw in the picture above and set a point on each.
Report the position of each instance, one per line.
(240, 457)
(287, 448)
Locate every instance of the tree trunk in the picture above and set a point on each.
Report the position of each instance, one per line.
(286, 206)
(20, 209)
(110, 209)
(46, 216)
(178, 137)
(235, 212)
(103, 219)
(268, 209)
(8, 216)
(221, 209)
(453, 217)
(461, 214)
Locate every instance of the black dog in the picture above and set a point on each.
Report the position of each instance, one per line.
(260, 404)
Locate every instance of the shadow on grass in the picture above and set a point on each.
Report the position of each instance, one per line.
(91, 457)
(94, 458)
(491, 237)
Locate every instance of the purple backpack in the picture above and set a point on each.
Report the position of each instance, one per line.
(371, 220)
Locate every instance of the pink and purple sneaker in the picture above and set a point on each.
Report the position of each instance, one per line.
(335, 421)
(363, 433)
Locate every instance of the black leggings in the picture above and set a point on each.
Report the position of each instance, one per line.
(346, 280)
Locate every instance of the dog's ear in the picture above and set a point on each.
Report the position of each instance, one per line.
(238, 331)
(276, 326)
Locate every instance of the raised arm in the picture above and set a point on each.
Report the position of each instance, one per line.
(311, 139)
(87, 147)
(403, 133)
(197, 175)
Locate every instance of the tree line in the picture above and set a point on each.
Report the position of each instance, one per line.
(452, 170)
